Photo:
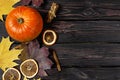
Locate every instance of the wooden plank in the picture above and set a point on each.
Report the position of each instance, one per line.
(83, 31)
(87, 31)
(88, 54)
(86, 10)
(84, 74)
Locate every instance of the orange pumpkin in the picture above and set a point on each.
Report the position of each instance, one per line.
(24, 23)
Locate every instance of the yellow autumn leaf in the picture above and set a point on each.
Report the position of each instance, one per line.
(39, 79)
(6, 6)
(7, 56)
(25, 78)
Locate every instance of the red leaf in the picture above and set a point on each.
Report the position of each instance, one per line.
(44, 63)
(40, 55)
(25, 2)
(41, 73)
(43, 52)
(37, 3)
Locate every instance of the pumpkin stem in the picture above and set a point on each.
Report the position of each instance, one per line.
(20, 20)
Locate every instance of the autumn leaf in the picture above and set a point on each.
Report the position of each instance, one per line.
(7, 56)
(38, 79)
(6, 7)
(34, 51)
(35, 3)
(25, 78)
(23, 56)
(41, 56)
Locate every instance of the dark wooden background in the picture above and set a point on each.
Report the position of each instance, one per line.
(89, 39)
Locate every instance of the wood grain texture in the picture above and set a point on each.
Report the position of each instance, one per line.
(88, 54)
(86, 10)
(87, 31)
(83, 31)
(85, 74)
(88, 45)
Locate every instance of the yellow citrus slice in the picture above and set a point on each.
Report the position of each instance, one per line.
(11, 74)
(49, 37)
(29, 68)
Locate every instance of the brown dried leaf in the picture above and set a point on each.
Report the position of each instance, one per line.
(24, 54)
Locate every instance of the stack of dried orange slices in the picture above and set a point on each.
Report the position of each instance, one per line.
(28, 68)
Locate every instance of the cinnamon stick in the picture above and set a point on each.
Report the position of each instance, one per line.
(57, 61)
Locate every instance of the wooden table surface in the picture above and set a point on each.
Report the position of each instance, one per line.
(88, 46)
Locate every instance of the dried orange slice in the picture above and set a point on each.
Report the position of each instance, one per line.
(29, 68)
(49, 37)
(11, 74)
